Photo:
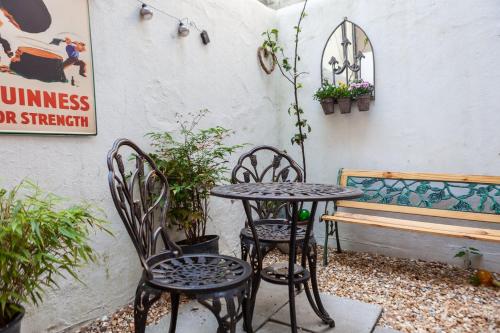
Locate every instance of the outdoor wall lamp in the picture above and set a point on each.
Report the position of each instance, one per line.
(204, 37)
(146, 12)
(183, 30)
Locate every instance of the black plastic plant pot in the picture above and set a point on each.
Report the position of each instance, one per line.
(15, 324)
(209, 244)
(328, 105)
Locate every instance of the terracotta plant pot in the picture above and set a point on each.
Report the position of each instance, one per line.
(210, 244)
(15, 324)
(345, 105)
(364, 102)
(328, 105)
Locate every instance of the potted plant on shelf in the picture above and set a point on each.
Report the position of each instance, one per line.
(39, 242)
(362, 92)
(343, 95)
(193, 165)
(325, 95)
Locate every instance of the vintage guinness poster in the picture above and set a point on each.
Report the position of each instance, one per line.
(46, 70)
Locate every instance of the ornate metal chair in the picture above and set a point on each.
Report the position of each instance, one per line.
(141, 196)
(271, 224)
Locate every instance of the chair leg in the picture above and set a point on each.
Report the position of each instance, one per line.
(255, 281)
(339, 249)
(232, 314)
(247, 316)
(174, 300)
(299, 246)
(227, 321)
(145, 297)
(325, 245)
(244, 249)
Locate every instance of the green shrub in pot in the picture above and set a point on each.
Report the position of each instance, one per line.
(41, 240)
(193, 163)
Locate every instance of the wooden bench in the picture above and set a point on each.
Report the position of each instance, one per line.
(473, 198)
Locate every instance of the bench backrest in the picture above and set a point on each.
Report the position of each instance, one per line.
(475, 198)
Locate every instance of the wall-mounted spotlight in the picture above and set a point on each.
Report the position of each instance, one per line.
(183, 30)
(204, 37)
(146, 12)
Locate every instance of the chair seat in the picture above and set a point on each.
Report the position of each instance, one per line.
(198, 273)
(274, 232)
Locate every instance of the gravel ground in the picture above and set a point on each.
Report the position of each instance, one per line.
(417, 296)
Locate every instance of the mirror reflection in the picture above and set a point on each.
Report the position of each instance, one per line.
(348, 56)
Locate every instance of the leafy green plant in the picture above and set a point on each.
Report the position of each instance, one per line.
(465, 253)
(289, 70)
(40, 241)
(327, 90)
(474, 280)
(193, 166)
(342, 91)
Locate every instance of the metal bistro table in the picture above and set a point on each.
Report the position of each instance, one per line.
(294, 194)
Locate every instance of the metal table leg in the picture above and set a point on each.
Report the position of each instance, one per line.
(256, 260)
(310, 254)
(291, 265)
(309, 260)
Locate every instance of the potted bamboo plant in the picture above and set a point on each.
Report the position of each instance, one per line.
(362, 93)
(326, 97)
(193, 165)
(343, 95)
(39, 242)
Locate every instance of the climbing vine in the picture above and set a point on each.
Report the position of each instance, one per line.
(289, 70)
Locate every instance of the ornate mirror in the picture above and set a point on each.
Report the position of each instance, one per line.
(348, 56)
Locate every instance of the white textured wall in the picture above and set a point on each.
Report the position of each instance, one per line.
(144, 74)
(437, 110)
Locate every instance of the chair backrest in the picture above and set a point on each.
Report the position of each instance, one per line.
(141, 195)
(266, 164)
(467, 197)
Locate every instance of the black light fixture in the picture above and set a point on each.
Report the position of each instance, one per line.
(204, 37)
(146, 12)
(183, 30)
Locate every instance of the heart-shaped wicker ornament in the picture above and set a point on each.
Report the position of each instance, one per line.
(266, 60)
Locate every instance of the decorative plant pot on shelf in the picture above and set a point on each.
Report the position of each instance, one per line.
(14, 326)
(363, 102)
(328, 105)
(209, 244)
(345, 104)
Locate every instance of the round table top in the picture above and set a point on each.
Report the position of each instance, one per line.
(286, 191)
